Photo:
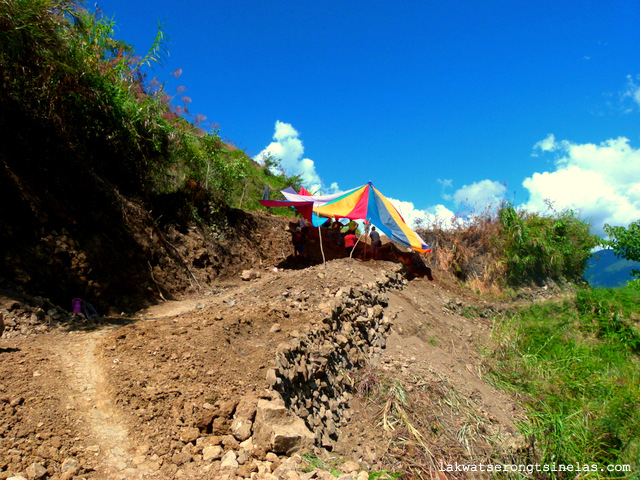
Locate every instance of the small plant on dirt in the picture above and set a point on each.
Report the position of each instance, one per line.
(385, 475)
(313, 462)
(427, 421)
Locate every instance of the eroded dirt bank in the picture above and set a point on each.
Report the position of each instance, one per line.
(155, 395)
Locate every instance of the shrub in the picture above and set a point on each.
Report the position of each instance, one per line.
(472, 249)
(511, 245)
(538, 246)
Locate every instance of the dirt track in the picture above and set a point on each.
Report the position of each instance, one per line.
(121, 400)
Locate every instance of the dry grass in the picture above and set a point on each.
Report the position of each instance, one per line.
(430, 423)
(472, 250)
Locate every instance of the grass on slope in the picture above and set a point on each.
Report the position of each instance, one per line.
(575, 366)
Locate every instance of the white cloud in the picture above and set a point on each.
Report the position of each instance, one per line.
(333, 188)
(288, 148)
(482, 194)
(632, 91)
(548, 144)
(446, 184)
(600, 181)
(284, 132)
(441, 216)
(437, 215)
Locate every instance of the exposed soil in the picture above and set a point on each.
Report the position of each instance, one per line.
(121, 396)
(182, 338)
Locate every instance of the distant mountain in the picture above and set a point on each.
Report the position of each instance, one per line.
(604, 269)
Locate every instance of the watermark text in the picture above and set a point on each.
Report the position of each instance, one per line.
(533, 467)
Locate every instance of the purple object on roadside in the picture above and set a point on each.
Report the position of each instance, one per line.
(77, 305)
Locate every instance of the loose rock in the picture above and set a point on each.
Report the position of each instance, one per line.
(229, 461)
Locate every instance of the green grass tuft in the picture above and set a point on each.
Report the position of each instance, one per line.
(385, 475)
(313, 462)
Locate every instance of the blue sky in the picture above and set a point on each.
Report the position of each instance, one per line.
(436, 103)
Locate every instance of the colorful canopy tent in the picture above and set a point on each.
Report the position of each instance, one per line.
(362, 203)
(304, 208)
(303, 202)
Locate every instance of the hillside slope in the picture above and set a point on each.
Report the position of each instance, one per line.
(67, 233)
(101, 181)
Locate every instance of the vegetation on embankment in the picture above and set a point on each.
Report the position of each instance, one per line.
(100, 168)
(68, 85)
(574, 364)
(511, 247)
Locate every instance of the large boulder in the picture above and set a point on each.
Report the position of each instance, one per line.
(279, 430)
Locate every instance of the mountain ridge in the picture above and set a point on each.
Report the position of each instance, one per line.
(604, 269)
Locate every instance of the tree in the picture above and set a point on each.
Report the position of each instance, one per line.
(625, 242)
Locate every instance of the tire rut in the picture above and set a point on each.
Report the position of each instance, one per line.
(106, 432)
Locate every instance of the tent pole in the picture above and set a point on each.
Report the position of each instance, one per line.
(366, 234)
(354, 247)
(324, 261)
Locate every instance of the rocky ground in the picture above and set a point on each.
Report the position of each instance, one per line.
(169, 391)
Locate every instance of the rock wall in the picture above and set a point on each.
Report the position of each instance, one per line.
(311, 371)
